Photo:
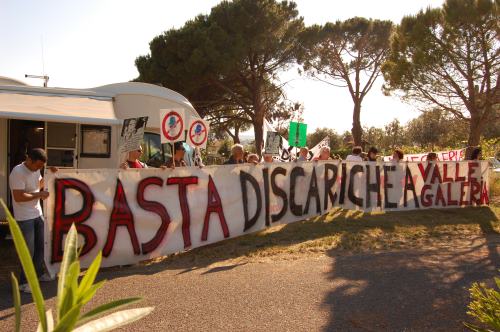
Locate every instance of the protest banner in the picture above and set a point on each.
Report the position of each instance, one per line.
(287, 152)
(173, 123)
(297, 134)
(314, 152)
(273, 143)
(197, 136)
(451, 155)
(133, 215)
(132, 133)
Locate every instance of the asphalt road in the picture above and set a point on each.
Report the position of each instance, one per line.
(404, 290)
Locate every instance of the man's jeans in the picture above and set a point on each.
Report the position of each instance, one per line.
(32, 230)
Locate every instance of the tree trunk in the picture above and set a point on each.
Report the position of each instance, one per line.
(474, 135)
(475, 130)
(236, 137)
(357, 131)
(258, 128)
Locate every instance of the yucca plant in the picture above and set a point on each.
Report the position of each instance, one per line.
(485, 307)
(71, 295)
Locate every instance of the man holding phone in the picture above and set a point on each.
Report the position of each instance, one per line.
(26, 185)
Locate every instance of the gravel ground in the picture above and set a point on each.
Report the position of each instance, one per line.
(397, 290)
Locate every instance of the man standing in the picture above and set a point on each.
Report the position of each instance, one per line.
(26, 185)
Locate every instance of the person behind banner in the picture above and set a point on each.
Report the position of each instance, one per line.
(303, 154)
(236, 155)
(26, 185)
(355, 155)
(178, 158)
(268, 158)
(133, 160)
(324, 154)
(476, 153)
(432, 157)
(372, 154)
(198, 161)
(253, 158)
(397, 155)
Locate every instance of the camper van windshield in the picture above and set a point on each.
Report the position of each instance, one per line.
(155, 154)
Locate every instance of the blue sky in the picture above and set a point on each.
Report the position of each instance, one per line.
(92, 43)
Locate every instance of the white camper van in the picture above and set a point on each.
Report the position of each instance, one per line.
(79, 128)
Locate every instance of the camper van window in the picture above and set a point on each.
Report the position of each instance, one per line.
(61, 135)
(61, 144)
(96, 141)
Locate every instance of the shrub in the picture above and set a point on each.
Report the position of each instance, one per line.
(485, 306)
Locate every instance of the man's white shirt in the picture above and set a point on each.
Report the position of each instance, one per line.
(22, 178)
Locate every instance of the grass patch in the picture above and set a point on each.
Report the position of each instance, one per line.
(354, 231)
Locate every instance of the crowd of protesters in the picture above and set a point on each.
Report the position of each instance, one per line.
(240, 156)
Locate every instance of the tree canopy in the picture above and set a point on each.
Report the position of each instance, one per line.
(449, 57)
(227, 62)
(347, 54)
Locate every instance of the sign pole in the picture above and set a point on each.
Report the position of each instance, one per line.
(173, 155)
(297, 142)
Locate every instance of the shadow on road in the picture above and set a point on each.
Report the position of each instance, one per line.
(420, 290)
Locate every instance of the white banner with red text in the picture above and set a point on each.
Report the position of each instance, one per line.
(450, 155)
(133, 215)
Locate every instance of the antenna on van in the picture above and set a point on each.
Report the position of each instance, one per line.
(43, 76)
(43, 60)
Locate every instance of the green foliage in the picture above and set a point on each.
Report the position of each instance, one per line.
(394, 135)
(485, 306)
(320, 133)
(437, 128)
(491, 147)
(225, 148)
(71, 295)
(448, 58)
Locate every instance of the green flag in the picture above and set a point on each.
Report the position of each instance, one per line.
(297, 134)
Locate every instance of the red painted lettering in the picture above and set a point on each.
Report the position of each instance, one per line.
(156, 208)
(436, 175)
(183, 182)
(462, 194)
(63, 221)
(425, 172)
(426, 198)
(450, 201)
(472, 170)
(475, 188)
(445, 174)
(440, 197)
(484, 194)
(214, 206)
(458, 178)
(121, 215)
